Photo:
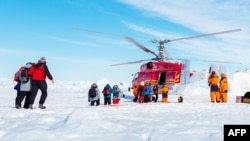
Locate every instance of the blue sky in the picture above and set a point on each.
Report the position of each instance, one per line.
(34, 28)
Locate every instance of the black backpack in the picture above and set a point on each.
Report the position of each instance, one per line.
(24, 75)
(92, 92)
(155, 88)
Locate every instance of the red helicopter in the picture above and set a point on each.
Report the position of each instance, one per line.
(162, 68)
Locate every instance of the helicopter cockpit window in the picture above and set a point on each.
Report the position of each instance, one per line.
(135, 76)
(149, 65)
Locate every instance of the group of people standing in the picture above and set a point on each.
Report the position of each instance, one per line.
(146, 93)
(36, 80)
(218, 87)
(108, 94)
(38, 72)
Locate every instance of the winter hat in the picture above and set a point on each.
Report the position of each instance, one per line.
(42, 60)
(115, 86)
(94, 85)
(28, 65)
(142, 83)
(223, 75)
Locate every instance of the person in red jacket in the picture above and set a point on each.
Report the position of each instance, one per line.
(38, 74)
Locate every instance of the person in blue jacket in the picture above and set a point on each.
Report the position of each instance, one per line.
(147, 92)
(107, 94)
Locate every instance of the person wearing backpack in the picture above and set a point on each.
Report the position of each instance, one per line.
(155, 92)
(94, 95)
(107, 94)
(23, 87)
(39, 73)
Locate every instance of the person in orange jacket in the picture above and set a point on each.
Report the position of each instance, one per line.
(223, 87)
(164, 91)
(136, 92)
(213, 81)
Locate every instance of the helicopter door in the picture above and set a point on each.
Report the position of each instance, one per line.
(162, 78)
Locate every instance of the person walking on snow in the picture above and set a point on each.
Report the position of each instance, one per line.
(214, 88)
(24, 89)
(38, 74)
(94, 95)
(107, 94)
(223, 87)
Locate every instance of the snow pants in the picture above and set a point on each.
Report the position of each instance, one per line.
(164, 97)
(35, 86)
(92, 103)
(215, 95)
(135, 98)
(146, 98)
(20, 96)
(224, 97)
(107, 101)
(141, 99)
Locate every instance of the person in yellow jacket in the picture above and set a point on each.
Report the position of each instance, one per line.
(213, 81)
(136, 92)
(164, 91)
(223, 87)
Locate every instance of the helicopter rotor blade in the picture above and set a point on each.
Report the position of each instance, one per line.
(221, 62)
(140, 46)
(134, 62)
(203, 35)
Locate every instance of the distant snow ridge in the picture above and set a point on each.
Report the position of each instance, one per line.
(7, 83)
(81, 85)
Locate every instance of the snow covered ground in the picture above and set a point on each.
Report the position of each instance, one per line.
(68, 116)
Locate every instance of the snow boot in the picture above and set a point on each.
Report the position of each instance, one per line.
(30, 106)
(41, 106)
(18, 107)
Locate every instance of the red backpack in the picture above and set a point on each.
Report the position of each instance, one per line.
(16, 75)
(106, 91)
